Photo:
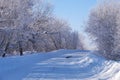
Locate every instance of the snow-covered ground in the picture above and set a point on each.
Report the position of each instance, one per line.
(59, 65)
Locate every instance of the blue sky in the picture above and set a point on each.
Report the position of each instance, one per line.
(74, 11)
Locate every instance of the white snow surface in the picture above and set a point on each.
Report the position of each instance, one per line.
(59, 65)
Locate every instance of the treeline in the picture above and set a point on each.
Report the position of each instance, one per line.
(30, 25)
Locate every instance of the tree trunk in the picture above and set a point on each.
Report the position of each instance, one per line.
(20, 48)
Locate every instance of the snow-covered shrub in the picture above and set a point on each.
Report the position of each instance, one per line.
(104, 26)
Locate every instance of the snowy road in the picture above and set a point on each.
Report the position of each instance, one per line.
(60, 65)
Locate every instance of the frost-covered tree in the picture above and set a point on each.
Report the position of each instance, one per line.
(6, 36)
(103, 25)
(7, 13)
(29, 25)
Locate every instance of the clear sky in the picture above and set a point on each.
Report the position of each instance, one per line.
(75, 11)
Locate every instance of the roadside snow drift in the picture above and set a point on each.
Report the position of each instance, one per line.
(59, 65)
